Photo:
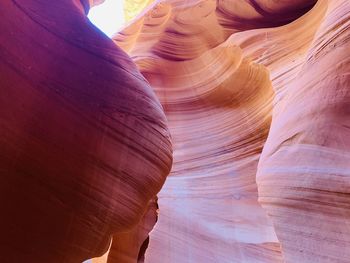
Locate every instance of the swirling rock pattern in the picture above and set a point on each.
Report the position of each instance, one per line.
(84, 143)
(222, 70)
(256, 93)
(218, 114)
(304, 171)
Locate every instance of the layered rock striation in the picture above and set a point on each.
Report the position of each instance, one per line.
(256, 94)
(304, 171)
(84, 143)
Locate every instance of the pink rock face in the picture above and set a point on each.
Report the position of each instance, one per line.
(256, 93)
(222, 70)
(84, 143)
(304, 171)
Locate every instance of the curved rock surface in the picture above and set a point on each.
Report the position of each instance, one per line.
(84, 143)
(222, 71)
(304, 171)
(256, 93)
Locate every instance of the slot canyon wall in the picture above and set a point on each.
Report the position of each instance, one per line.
(84, 145)
(257, 97)
(246, 103)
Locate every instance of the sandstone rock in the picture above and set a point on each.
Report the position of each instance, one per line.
(256, 93)
(208, 62)
(84, 143)
(304, 171)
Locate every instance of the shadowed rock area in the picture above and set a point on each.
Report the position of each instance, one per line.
(84, 143)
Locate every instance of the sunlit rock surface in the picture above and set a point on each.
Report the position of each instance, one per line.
(256, 93)
(83, 140)
(222, 71)
(304, 171)
(133, 7)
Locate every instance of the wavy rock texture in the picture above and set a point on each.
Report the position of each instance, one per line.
(256, 93)
(222, 70)
(84, 143)
(304, 172)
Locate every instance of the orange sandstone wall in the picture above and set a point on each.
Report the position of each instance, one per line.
(256, 96)
(243, 188)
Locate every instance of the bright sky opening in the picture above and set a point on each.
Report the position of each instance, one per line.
(108, 16)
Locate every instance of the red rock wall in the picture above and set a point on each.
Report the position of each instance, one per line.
(83, 140)
(131, 246)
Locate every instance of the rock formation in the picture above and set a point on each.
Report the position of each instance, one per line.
(304, 171)
(256, 94)
(222, 70)
(84, 143)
